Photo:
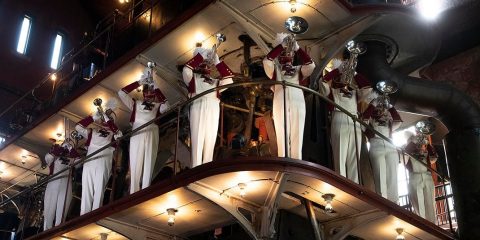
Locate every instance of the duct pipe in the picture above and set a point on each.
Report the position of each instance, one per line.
(461, 116)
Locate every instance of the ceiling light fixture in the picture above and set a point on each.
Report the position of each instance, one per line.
(171, 216)
(429, 9)
(243, 190)
(24, 159)
(400, 234)
(293, 5)
(199, 38)
(53, 77)
(328, 197)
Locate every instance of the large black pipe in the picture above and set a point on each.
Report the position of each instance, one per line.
(461, 116)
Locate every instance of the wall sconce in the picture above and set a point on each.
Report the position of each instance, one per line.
(171, 216)
(400, 234)
(24, 159)
(293, 5)
(243, 190)
(328, 197)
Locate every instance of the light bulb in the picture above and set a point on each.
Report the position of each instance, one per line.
(400, 234)
(53, 77)
(243, 190)
(328, 197)
(328, 207)
(293, 6)
(171, 216)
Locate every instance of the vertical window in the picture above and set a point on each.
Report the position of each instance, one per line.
(24, 35)
(57, 51)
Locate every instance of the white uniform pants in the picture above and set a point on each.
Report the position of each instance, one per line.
(384, 158)
(421, 190)
(54, 201)
(295, 106)
(95, 178)
(143, 153)
(343, 145)
(204, 114)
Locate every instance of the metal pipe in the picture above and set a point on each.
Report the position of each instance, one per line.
(222, 107)
(354, 120)
(286, 138)
(312, 218)
(241, 109)
(176, 142)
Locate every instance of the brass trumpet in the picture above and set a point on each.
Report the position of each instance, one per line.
(348, 69)
(98, 103)
(220, 39)
(385, 87)
(295, 25)
(424, 128)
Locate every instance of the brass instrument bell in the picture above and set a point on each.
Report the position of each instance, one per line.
(385, 87)
(425, 127)
(98, 103)
(296, 25)
(356, 47)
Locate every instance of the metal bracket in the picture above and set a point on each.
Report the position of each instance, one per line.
(269, 210)
(231, 204)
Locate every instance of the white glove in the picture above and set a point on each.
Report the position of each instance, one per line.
(295, 46)
(145, 80)
(96, 116)
(106, 117)
(67, 146)
(216, 60)
(285, 41)
(118, 134)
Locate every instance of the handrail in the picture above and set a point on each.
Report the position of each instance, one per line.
(178, 106)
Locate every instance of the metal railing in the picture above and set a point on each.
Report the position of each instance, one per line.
(178, 109)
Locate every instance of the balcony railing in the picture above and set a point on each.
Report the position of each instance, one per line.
(172, 119)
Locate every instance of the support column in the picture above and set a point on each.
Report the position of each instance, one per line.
(313, 219)
(463, 152)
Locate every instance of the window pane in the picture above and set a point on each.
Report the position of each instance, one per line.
(24, 35)
(57, 48)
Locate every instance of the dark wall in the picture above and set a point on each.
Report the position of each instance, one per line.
(20, 73)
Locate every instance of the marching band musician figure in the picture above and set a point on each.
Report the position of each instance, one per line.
(294, 99)
(384, 157)
(205, 111)
(345, 137)
(97, 169)
(421, 187)
(144, 143)
(60, 187)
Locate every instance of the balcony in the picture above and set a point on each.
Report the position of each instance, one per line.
(245, 184)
